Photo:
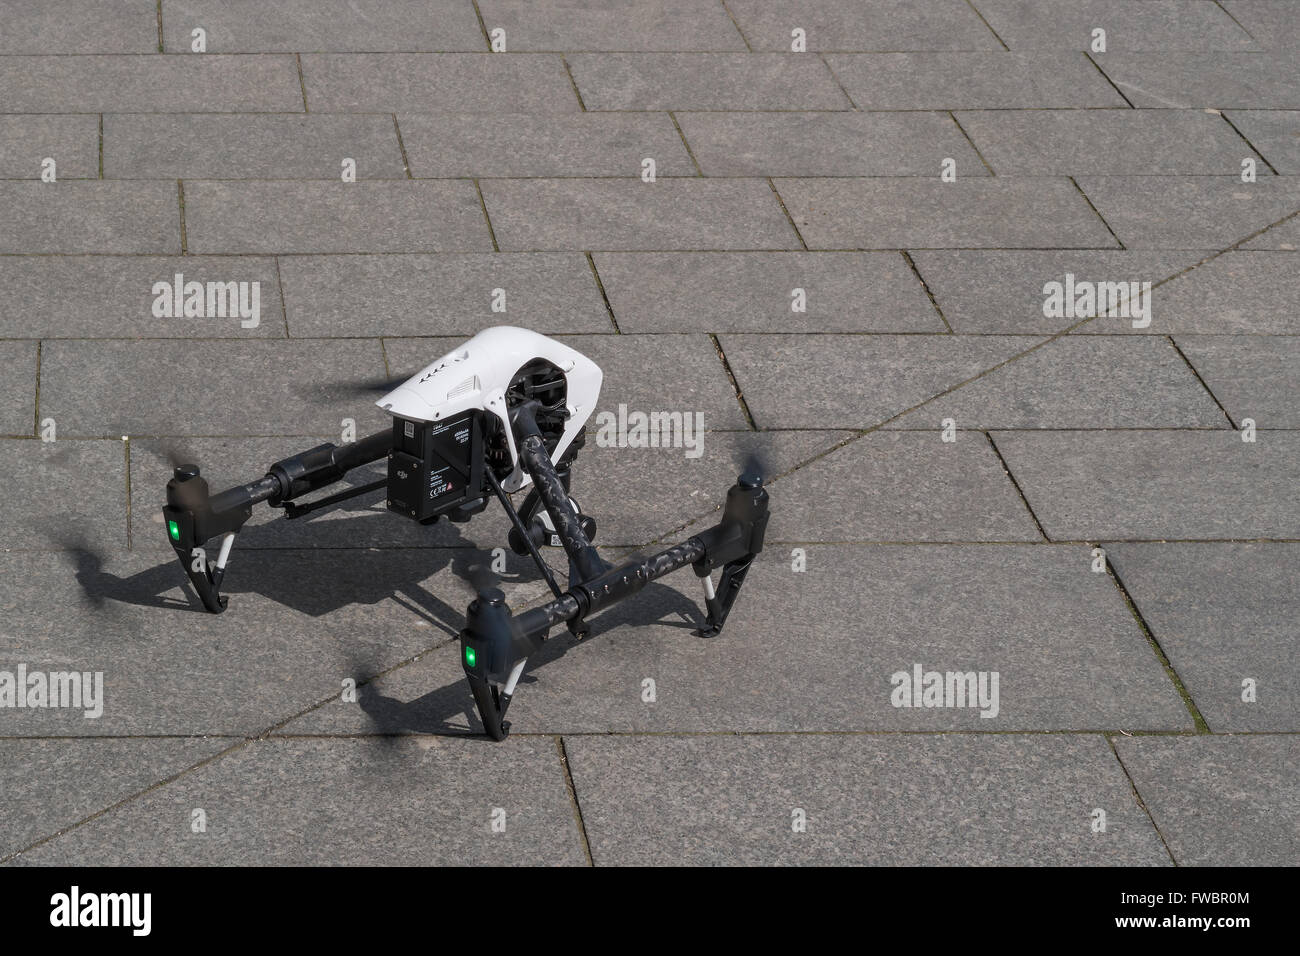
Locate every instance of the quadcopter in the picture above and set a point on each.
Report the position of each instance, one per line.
(503, 412)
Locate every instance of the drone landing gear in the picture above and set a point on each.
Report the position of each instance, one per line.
(496, 644)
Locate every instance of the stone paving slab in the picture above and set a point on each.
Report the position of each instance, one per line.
(520, 144)
(646, 372)
(437, 82)
(211, 146)
(1252, 376)
(1097, 485)
(753, 292)
(1274, 133)
(893, 213)
(704, 81)
(1156, 212)
(79, 26)
(286, 802)
(89, 216)
(61, 297)
(210, 387)
(1223, 614)
(1205, 80)
(1001, 292)
(1284, 237)
(803, 653)
(666, 25)
(1085, 381)
(267, 217)
(298, 624)
(839, 25)
(27, 141)
(851, 381)
(49, 785)
(973, 81)
(302, 26)
(532, 214)
(152, 84)
(903, 486)
(890, 801)
(1161, 25)
(1245, 292)
(1106, 142)
(18, 360)
(827, 144)
(61, 494)
(440, 295)
(1271, 22)
(1220, 801)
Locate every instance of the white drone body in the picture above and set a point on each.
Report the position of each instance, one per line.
(477, 374)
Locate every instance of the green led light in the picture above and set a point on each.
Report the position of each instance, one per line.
(470, 656)
(174, 530)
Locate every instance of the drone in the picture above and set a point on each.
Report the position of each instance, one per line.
(503, 412)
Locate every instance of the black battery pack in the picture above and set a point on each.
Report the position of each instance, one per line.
(435, 467)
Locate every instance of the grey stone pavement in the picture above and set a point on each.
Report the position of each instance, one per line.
(948, 453)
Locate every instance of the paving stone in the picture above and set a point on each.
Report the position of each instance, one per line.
(1247, 292)
(89, 216)
(844, 381)
(609, 25)
(644, 372)
(18, 360)
(79, 26)
(270, 217)
(1253, 376)
(1274, 133)
(52, 784)
(1220, 801)
(61, 494)
(446, 294)
(298, 624)
(889, 213)
(1155, 212)
(209, 387)
(1222, 613)
(209, 146)
(1105, 142)
(1284, 237)
(704, 81)
(864, 25)
(827, 144)
(112, 297)
(1210, 80)
(517, 144)
(972, 81)
(914, 800)
(150, 84)
(1067, 651)
(751, 292)
(1150, 25)
(531, 214)
(437, 82)
(300, 26)
(27, 141)
(988, 291)
(1156, 484)
(1271, 22)
(902, 486)
(286, 802)
(1086, 381)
